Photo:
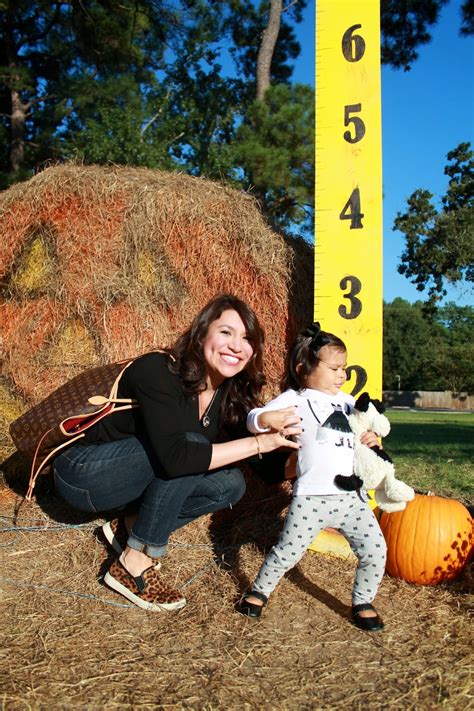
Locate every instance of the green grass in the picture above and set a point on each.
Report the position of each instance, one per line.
(433, 451)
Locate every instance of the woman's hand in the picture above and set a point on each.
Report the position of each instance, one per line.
(269, 441)
(224, 453)
(370, 439)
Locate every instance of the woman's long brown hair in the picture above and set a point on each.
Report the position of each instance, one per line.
(242, 391)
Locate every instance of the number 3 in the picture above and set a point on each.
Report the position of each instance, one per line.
(356, 305)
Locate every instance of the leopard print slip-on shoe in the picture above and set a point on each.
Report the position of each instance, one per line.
(116, 534)
(148, 590)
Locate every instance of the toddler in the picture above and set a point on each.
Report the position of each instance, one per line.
(316, 373)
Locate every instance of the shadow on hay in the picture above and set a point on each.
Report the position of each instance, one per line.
(16, 475)
(258, 520)
(323, 596)
(300, 288)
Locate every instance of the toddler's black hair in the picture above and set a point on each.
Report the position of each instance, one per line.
(305, 353)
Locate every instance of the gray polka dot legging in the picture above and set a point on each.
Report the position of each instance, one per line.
(306, 517)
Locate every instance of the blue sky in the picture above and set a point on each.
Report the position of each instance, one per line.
(426, 112)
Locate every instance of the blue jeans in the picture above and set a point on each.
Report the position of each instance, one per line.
(113, 474)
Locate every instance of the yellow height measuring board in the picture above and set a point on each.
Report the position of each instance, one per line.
(348, 223)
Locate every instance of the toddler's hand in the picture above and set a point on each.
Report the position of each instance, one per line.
(370, 439)
(279, 420)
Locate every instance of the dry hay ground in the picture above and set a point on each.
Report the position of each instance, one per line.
(70, 642)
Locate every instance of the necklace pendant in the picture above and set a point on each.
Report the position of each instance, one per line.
(205, 419)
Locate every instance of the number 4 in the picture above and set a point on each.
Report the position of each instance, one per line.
(351, 211)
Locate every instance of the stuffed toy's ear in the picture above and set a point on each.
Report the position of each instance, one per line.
(379, 406)
(362, 402)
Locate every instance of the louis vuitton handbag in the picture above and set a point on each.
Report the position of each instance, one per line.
(63, 417)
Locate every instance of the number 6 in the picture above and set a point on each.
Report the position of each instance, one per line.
(353, 46)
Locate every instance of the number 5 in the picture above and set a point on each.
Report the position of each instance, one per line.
(359, 125)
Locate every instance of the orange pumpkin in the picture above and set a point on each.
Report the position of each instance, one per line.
(430, 541)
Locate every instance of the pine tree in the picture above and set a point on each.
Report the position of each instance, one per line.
(439, 243)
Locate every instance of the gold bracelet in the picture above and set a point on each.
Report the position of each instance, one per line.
(258, 447)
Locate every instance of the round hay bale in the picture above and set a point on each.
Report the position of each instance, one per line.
(102, 263)
(10, 409)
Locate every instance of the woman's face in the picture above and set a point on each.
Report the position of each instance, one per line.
(226, 348)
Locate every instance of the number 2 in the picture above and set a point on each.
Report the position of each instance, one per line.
(361, 378)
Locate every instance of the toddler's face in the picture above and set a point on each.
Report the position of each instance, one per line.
(330, 374)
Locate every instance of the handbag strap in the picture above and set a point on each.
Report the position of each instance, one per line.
(110, 406)
(35, 471)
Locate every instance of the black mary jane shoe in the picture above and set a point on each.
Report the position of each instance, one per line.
(251, 609)
(369, 624)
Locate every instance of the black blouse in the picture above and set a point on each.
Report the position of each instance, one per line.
(164, 416)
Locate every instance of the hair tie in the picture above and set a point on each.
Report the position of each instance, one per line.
(318, 337)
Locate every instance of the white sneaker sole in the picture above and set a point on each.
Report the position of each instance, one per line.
(109, 534)
(144, 604)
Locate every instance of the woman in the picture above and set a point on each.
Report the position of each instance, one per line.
(165, 455)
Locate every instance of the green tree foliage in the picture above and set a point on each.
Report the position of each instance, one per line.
(406, 335)
(141, 82)
(406, 27)
(275, 147)
(440, 242)
(467, 12)
(428, 352)
(54, 59)
(202, 106)
(246, 25)
(120, 127)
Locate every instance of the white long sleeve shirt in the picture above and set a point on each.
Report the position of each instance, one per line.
(327, 443)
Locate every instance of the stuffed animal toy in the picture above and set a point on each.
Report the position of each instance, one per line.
(373, 468)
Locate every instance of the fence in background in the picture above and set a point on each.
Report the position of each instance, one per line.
(445, 400)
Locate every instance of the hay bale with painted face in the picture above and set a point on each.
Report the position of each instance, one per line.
(103, 263)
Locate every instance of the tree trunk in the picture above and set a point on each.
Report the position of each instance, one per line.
(267, 47)
(18, 109)
(17, 132)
